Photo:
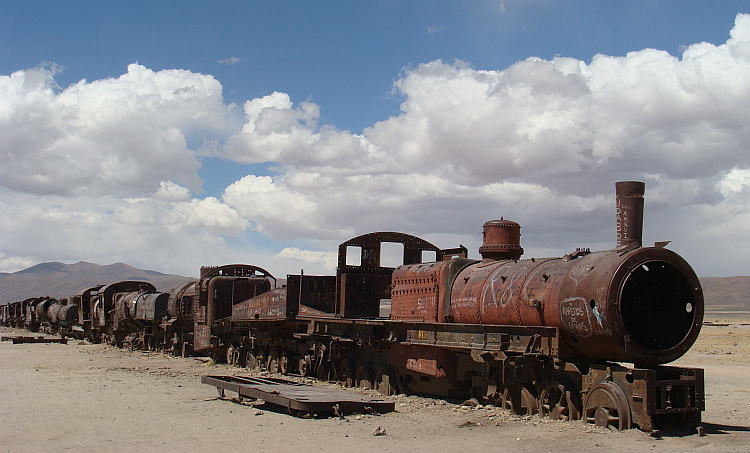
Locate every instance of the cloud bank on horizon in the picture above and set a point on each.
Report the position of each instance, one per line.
(107, 170)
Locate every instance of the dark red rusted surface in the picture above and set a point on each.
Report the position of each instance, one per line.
(501, 240)
(268, 306)
(635, 304)
(361, 287)
(421, 292)
(629, 212)
(218, 290)
(180, 304)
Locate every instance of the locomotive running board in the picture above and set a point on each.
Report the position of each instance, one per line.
(22, 339)
(297, 397)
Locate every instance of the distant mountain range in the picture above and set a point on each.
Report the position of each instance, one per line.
(722, 294)
(64, 280)
(726, 294)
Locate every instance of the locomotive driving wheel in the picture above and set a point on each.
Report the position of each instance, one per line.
(323, 373)
(230, 355)
(348, 372)
(284, 363)
(250, 360)
(305, 366)
(607, 406)
(386, 381)
(522, 403)
(260, 361)
(559, 402)
(365, 378)
(273, 361)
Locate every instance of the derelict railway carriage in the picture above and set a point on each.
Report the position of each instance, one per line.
(549, 336)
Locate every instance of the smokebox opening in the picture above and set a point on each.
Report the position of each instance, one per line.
(657, 306)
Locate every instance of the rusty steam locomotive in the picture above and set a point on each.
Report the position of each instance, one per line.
(551, 336)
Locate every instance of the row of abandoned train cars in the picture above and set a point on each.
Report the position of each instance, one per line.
(583, 336)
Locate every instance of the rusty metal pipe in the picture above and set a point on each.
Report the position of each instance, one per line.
(629, 212)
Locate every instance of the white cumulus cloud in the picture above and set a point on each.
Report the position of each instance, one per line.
(104, 170)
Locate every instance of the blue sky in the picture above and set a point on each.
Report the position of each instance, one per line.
(352, 97)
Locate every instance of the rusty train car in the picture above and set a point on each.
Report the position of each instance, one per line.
(583, 336)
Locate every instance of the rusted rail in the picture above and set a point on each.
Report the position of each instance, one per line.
(297, 397)
(40, 339)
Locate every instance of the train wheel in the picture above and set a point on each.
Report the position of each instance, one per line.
(348, 372)
(607, 405)
(323, 373)
(560, 402)
(260, 361)
(217, 354)
(230, 355)
(365, 378)
(273, 361)
(386, 381)
(522, 402)
(284, 363)
(305, 366)
(250, 360)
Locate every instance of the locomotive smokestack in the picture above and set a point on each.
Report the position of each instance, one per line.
(629, 212)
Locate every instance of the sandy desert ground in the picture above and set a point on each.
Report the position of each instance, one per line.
(85, 397)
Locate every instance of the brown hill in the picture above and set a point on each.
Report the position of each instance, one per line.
(63, 280)
(726, 294)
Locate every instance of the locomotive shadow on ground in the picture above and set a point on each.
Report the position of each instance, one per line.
(708, 429)
(713, 428)
(263, 405)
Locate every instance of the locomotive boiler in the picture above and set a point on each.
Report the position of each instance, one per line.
(641, 305)
(635, 304)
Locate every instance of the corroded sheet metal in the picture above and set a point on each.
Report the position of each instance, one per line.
(629, 212)
(269, 305)
(421, 292)
(315, 294)
(425, 366)
(299, 397)
(642, 305)
(361, 287)
(180, 304)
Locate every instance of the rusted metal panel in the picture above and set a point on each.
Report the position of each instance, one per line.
(299, 397)
(425, 366)
(269, 305)
(421, 292)
(360, 293)
(541, 341)
(180, 304)
(314, 294)
(152, 306)
(361, 287)
(218, 290)
(416, 292)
